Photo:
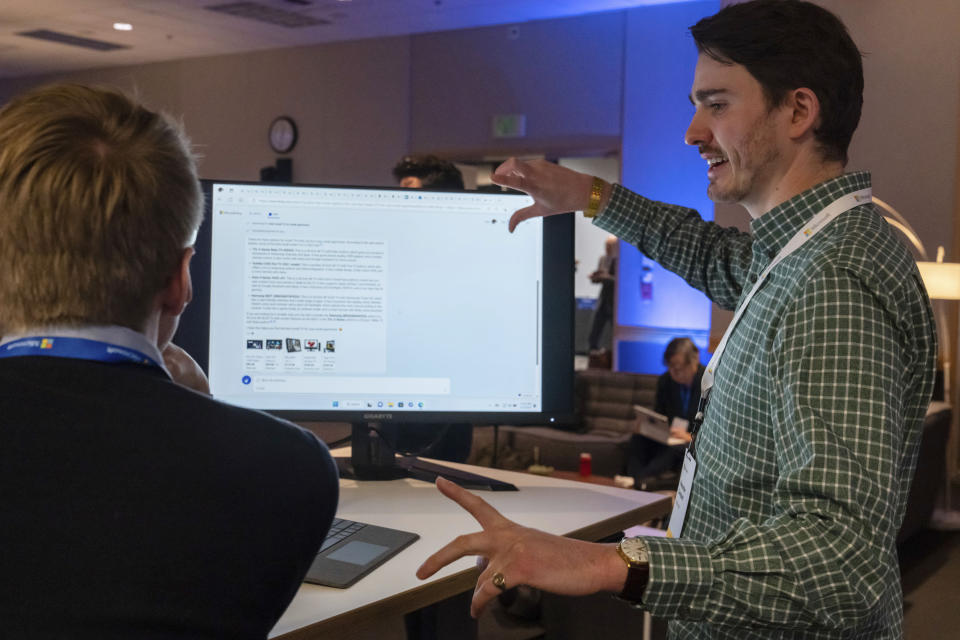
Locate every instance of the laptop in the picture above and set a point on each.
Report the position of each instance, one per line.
(353, 549)
(655, 426)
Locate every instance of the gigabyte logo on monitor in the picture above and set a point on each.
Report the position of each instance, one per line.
(378, 416)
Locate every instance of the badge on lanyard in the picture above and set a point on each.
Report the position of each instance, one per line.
(680, 503)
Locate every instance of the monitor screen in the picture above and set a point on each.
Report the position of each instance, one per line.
(379, 304)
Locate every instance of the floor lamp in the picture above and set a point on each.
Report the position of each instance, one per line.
(943, 283)
(942, 280)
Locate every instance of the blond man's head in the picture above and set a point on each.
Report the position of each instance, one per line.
(98, 199)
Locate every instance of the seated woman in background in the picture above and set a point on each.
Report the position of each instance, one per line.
(678, 395)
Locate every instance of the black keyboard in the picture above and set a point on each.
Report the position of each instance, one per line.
(341, 530)
(353, 549)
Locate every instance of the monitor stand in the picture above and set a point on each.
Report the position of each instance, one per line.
(372, 458)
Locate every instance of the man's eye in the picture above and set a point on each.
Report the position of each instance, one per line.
(716, 106)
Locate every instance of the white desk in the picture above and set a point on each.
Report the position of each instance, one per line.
(576, 509)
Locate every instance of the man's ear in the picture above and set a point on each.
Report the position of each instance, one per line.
(804, 112)
(179, 289)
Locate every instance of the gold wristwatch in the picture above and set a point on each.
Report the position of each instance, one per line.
(596, 194)
(634, 553)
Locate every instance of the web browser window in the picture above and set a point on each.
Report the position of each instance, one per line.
(354, 299)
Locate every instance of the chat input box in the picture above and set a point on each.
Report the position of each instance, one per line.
(352, 385)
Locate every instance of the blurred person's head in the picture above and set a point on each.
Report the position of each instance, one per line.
(99, 206)
(611, 245)
(682, 359)
(427, 172)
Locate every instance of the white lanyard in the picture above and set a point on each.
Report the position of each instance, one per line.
(816, 223)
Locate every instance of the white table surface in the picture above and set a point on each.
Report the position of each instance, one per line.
(576, 509)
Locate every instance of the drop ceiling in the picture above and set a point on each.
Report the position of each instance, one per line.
(54, 36)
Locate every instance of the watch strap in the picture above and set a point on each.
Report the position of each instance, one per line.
(636, 584)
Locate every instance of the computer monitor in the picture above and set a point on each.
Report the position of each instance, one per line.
(382, 306)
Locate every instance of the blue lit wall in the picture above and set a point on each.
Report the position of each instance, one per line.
(653, 304)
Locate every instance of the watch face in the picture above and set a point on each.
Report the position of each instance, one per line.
(283, 134)
(635, 549)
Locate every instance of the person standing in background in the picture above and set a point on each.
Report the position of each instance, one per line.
(427, 172)
(606, 277)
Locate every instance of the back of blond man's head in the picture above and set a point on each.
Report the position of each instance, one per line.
(98, 199)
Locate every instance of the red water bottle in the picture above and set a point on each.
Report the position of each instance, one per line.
(586, 465)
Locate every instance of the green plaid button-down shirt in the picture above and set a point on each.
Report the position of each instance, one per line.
(808, 448)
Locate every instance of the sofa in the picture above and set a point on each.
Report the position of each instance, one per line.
(604, 421)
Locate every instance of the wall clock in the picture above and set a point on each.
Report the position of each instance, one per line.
(283, 134)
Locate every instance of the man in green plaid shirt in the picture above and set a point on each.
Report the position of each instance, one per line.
(810, 436)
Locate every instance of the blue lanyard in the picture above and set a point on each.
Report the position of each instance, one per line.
(685, 399)
(76, 348)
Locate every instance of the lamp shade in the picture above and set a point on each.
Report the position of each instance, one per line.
(942, 279)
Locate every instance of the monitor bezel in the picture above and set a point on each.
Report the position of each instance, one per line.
(193, 334)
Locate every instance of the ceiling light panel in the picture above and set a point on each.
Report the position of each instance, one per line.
(69, 39)
(268, 13)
